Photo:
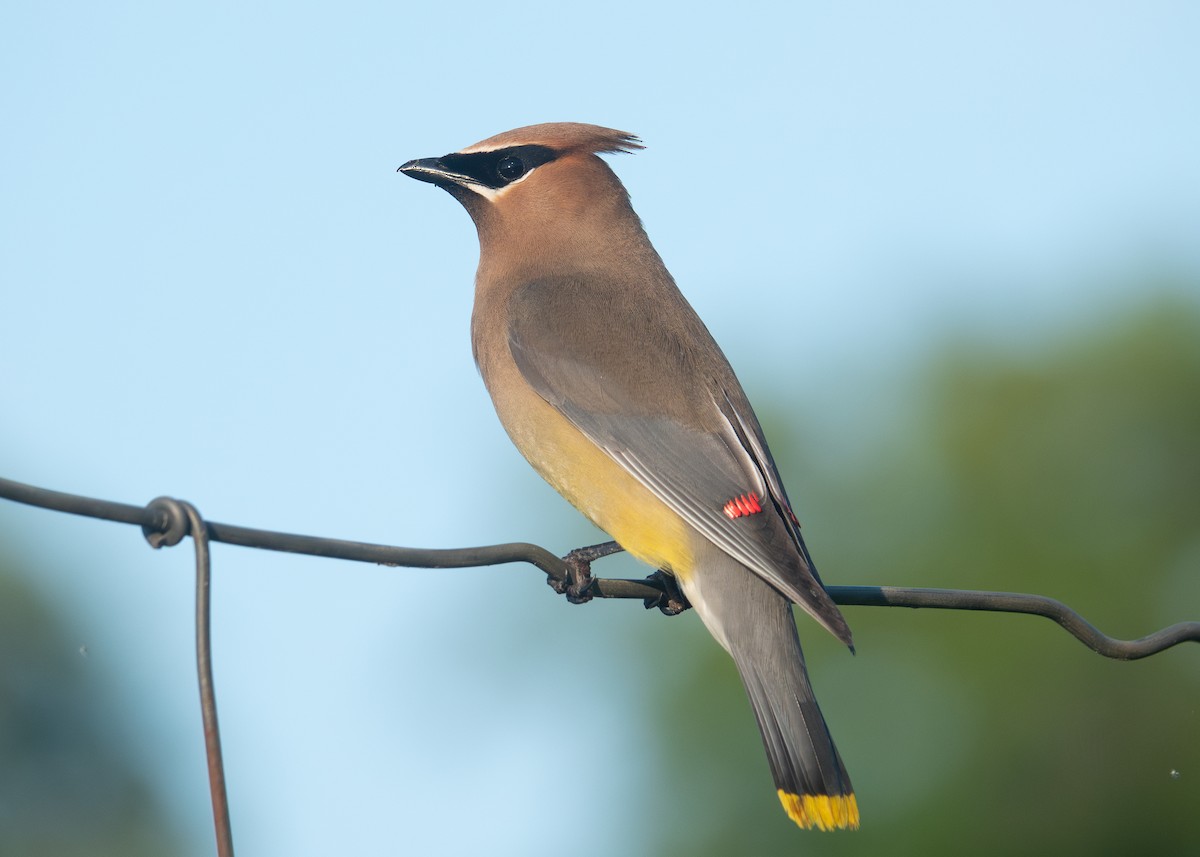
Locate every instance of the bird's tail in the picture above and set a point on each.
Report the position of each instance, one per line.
(812, 782)
(755, 624)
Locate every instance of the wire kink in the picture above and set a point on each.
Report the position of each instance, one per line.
(165, 522)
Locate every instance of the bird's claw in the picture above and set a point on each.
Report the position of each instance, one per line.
(671, 601)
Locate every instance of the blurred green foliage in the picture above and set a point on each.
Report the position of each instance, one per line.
(67, 786)
(1070, 470)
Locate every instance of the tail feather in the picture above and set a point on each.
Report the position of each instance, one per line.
(809, 775)
(754, 622)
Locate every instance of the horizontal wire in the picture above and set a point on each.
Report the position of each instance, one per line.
(161, 529)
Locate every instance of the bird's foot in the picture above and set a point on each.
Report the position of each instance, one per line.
(577, 586)
(672, 601)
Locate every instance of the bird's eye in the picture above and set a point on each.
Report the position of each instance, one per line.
(510, 169)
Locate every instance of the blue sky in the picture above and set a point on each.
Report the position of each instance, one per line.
(215, 286)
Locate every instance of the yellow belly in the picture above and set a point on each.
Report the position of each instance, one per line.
(595, 484)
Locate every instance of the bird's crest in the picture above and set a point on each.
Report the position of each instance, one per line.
(562, 137)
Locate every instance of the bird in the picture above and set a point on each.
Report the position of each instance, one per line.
(614, 390)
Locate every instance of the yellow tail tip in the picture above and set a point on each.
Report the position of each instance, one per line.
(824, 812)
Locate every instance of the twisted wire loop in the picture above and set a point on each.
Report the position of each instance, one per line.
(169, 523)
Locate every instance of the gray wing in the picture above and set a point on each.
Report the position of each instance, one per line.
(650, 387)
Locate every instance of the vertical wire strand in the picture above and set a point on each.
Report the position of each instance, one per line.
(208, 699)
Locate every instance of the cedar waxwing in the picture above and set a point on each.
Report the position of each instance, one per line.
(612, 387)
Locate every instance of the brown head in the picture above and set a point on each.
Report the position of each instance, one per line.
(540, 196)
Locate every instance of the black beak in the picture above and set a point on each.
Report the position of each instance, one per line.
(430, 170)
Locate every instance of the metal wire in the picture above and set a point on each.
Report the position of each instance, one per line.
(204, 670)
(157, 518)
(165, 522)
